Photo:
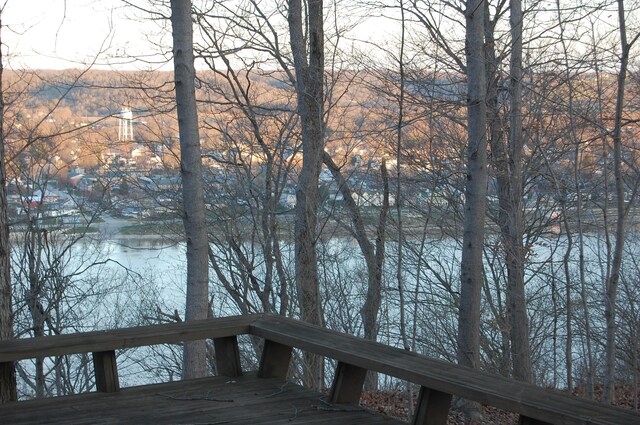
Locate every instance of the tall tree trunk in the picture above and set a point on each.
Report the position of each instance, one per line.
(507, 161)
(471, 275)
(7, 370)
(399, 137)
(308, 58)
(513, 237)
(194, 362)
(616, 264)
(500, 159)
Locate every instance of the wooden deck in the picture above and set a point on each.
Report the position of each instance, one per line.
(264, 397)
(217, 400)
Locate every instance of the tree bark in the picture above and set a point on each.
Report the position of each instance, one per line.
(308, 58)
(34, 249)
(471, 267)
(500, 160)
(475, 190)
(7, 370)
(373, 254)
(512, 189)
(616, 264)
(194, 361)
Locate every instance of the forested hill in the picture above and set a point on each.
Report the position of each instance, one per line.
(90, 93)
(99, 93)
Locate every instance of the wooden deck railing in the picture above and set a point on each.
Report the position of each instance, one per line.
(438, 380)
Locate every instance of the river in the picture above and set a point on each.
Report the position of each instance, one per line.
(143, 280)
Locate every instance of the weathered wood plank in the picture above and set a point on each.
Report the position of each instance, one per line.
(106, 371)
(86, 342)
(347, 384)
(245, 400)
(535, 405)
(432, 407)
(275, 359)
(227, 356)
(528, 400)
(523, 420)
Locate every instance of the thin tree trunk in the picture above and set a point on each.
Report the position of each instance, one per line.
(33, 248)
(7, 370)
(500, 159)
(555, 317)
(583, 285)
(194, 362)
(373, 254)
(400, 257)
(399, 128)
(514, 249)
(590, 390)
(579, 230)
(616, 264)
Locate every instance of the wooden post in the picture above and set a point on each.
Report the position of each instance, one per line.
(7, 382)
(227, 356)
(347, 384)
(106, 370)
(432, 407)
(275, 359)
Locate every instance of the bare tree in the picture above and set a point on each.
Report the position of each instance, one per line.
(471, 274)
(254, 149)
(373, 253)
(308, 58)
(471, 267)
(621, 209)
(7, 370)
(512, 190)
(576, 225)
(192, 187)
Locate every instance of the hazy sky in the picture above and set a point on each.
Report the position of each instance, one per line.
(70, 33)
(56, 34)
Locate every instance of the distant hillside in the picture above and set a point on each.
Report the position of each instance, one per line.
(91, 93)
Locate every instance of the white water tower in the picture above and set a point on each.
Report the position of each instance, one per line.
(125, 125)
